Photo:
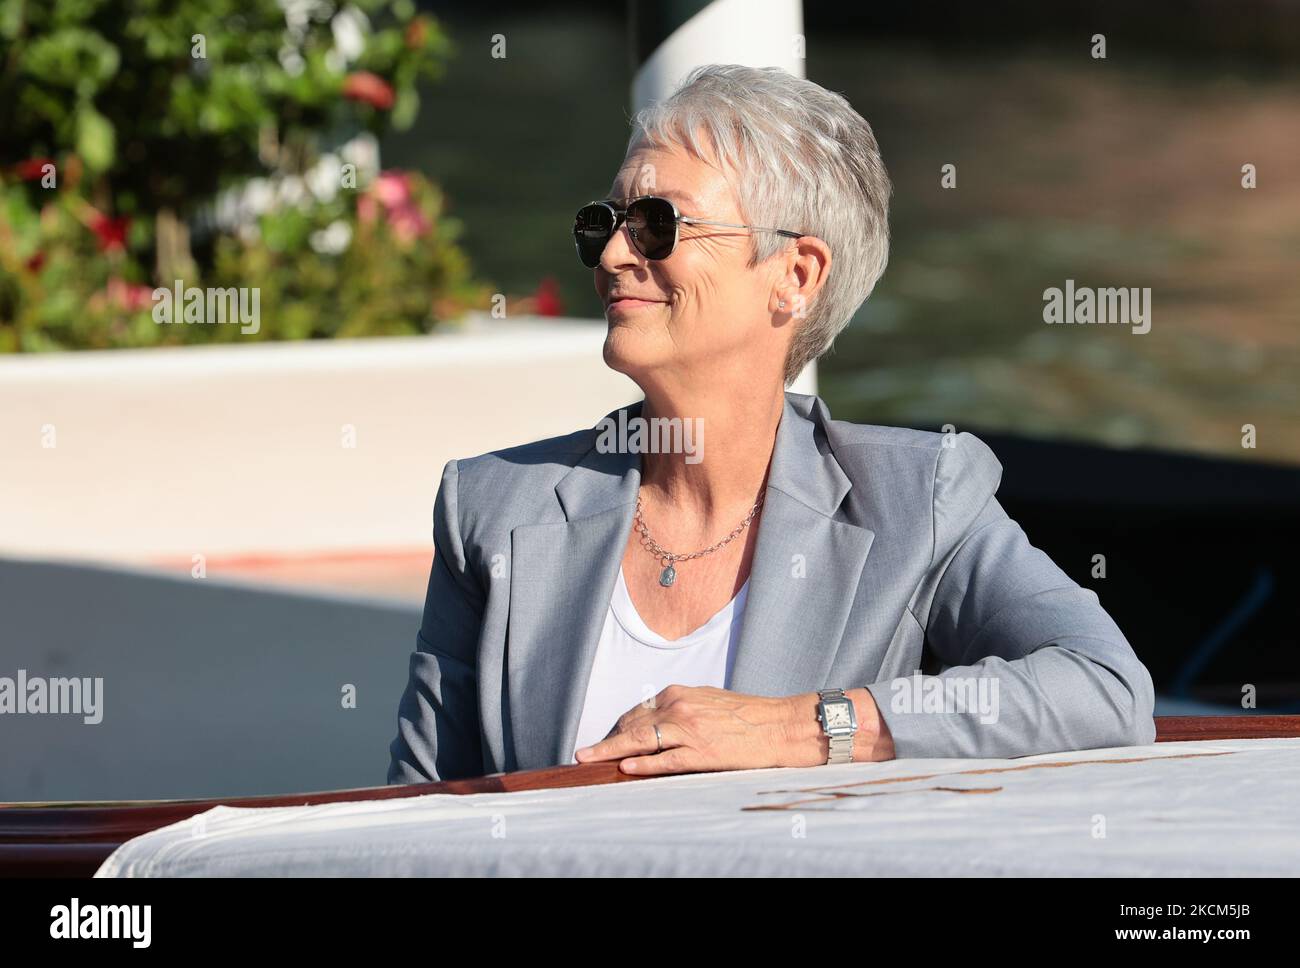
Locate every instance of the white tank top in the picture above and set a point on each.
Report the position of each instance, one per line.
(633, 663)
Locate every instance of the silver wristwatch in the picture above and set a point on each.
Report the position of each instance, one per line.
(839, 721)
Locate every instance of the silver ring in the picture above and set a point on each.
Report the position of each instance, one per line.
(659, 739)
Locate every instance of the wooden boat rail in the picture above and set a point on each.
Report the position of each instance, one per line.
(73, 839)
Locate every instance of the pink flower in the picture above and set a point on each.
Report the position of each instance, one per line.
(130, 296)
(393, 188)
(409, 223)
(392, 193)
(367, 209)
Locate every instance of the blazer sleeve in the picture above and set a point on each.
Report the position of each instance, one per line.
(438, 731)
(1001, 610)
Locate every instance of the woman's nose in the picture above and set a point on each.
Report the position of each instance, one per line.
(619, 252)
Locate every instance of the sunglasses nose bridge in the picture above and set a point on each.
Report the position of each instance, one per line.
(620, 223)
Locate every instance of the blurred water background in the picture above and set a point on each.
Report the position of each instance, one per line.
(1123, 171)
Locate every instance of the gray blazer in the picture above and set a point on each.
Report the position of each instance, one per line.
(874, 543)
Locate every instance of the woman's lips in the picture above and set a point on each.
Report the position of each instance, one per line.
(626, 303)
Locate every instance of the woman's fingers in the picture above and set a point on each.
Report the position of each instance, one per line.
(638, 738)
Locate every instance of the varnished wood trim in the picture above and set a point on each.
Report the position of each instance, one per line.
(53, 860)
(68, 822)
(1178, 729)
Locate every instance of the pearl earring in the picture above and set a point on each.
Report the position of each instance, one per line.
(781, 304)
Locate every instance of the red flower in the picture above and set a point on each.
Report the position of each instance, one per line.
(32, 169)
(111, 232)
(36, 262)
(548, 298)
(369, 89)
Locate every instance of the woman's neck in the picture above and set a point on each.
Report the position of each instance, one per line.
(733, 435)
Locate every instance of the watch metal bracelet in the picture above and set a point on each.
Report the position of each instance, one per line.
(841, 750)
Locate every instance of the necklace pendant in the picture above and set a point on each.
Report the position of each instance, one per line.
(668, 576)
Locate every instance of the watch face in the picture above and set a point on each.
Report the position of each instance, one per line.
(837, 715)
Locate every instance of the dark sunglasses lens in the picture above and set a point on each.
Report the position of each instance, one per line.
(653, 226)
(592, 228)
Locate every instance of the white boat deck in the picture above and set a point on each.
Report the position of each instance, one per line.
(1210, 808)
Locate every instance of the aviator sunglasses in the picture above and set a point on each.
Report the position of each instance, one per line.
(652, 223)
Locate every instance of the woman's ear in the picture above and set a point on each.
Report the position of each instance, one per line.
(810, 266)
(805, 273)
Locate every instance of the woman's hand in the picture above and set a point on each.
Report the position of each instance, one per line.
(705, 729)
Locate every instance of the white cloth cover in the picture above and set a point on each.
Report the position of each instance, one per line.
(1219, 808)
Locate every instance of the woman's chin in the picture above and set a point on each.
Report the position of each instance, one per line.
(626, 351)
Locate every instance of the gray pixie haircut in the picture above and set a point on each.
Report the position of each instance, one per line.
(806, 161)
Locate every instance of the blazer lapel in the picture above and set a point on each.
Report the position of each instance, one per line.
(561, 578)
(806, 568)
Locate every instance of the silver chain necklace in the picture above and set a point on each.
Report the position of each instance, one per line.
(667, 558)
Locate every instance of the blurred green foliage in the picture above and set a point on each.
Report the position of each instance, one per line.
(394, 233)
(126, 121)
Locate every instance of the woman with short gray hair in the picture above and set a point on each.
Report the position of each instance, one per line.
(721, 576)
